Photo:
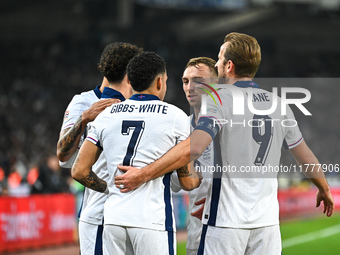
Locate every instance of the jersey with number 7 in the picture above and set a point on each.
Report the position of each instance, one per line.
(136, 133)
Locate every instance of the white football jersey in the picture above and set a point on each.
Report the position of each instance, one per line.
(242, 196)
(137, 132)
(76, 107)
(92, 207)
(194, 225)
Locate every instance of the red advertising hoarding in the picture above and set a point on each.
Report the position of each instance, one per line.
(43, 220)
(36, 221)
(294, 202)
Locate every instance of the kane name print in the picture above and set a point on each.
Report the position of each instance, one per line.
(260, 97)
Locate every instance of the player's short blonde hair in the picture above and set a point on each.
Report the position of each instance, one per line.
(245, 52)
(203, 60)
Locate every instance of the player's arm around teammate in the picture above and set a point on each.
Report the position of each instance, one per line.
(82, 168)
(177, 157)
(88, 155)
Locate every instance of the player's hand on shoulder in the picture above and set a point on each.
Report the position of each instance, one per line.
(97, 107)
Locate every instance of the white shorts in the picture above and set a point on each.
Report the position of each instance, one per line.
(235, 241)
(138, 241)
(90, 238)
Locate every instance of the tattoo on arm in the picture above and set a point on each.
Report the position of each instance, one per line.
(183, 172)
(68, 140)
(92, 181)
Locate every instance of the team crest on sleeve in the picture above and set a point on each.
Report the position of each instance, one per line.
(67, 113)
(207, 153)
(213, 110)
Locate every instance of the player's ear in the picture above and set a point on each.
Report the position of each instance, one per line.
(230, 67)
(126, 79)
(159, 82)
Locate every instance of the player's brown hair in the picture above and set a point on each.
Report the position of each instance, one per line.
(203, 60)
(245, 52)
(115, 58)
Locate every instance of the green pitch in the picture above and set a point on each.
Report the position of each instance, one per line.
(312, 236)
(181, 248)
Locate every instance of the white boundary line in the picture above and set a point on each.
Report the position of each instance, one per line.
(311, 236)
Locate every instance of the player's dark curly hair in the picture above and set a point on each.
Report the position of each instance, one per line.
(143, 69)
(114, 60)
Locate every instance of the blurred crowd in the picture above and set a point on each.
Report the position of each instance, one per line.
(38, 81)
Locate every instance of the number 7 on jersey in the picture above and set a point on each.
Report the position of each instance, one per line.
(138, 128)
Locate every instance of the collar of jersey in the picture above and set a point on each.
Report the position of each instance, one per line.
(97, 92)
(112, 93)
(144, 97)
(246, 84)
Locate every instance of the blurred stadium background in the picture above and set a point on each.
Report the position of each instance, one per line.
(49, 51)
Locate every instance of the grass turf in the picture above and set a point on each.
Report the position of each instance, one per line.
(320, 240)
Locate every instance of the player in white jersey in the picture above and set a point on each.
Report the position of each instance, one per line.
(241, 211)
(196, 71)
(137, 132)
(83, 109)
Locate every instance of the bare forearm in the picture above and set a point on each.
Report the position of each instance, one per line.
(179, 156)
(188, 178)
(176, 158)
(92, 181)
(69, 141)
(310, 166)
(314, 173)
(83, 174)
(82, 168)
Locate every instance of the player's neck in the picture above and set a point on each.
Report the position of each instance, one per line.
(105, 83)
(232, 80)
(146, 92)
(156, 88)
(196, 112)
(123, 87)
(152, 90)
